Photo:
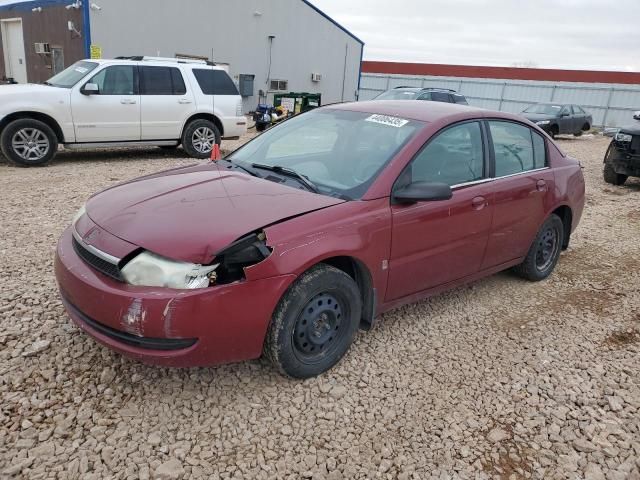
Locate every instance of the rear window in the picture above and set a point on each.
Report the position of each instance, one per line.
(440, 97)
(459, 99)
(215, 81)
(161, 81)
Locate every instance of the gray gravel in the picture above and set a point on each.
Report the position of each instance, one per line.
(501, 379)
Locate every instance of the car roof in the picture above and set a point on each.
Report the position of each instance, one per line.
(423, 89)
(417, 109)
(153, 62)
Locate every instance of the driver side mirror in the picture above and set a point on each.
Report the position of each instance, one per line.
(90, 89)
(422, 192)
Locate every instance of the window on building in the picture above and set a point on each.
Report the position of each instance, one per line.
(161, 81)
(217, 81)
(279, 85)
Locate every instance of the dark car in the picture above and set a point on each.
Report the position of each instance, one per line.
(556, 118)
(416, 93)
(313, 229)
(622, 159)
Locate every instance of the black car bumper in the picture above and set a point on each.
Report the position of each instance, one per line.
(624, 157)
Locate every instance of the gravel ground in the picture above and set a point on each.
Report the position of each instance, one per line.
(501, 379)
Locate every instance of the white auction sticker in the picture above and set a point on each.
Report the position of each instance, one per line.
(81, 70)
(387, 120)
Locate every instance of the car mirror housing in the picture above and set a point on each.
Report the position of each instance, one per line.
(90, 89)
(422, 192)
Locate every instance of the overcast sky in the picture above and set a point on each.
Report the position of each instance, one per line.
(574, 34)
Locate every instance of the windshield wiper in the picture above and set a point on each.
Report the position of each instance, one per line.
(290, 173)
(238, 165)
(47, 83)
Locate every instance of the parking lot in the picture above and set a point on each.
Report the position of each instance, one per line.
(499, 379)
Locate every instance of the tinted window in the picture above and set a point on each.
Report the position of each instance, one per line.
(566, 109)
(115, 80)
(539, 151)
(440, 97)
(161, 81)
(425, 96)
(454, 156)
(459, 99)
(513, 148)
(217, 81)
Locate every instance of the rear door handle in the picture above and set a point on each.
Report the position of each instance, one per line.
(541, 186)
(127, 101)
(479, 203)
(184, 101)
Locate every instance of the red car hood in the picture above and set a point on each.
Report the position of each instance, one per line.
(191, 213)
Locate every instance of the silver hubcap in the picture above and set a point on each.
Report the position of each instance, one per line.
(203, 139)
(30, 144)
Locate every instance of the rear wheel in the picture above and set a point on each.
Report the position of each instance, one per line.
(28, 142)
(198, 138)
(544, 253)
(314, 323)
(553, 131)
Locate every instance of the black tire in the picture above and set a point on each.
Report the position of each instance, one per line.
(261, 127)
(553, 131)
(544, 252)
(578, 134)
(189, 138)
(39, 140)
(610, 175)
(314, 322)
(586, 127)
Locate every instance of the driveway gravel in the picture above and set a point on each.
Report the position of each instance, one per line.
(501, 379)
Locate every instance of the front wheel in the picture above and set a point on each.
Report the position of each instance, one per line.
(553, 131)
(199, 137)
(544, 253)
(27, 142)
(314, 323)
(610, 175)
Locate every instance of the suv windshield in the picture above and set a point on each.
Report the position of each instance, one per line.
(544, 109)
(399, 94)
(72, 75)
(340, 152)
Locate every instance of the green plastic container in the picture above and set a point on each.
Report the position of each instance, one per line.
(297, 102)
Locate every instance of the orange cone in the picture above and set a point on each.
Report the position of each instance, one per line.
(215, 152)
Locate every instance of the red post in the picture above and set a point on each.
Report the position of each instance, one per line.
(215, 152)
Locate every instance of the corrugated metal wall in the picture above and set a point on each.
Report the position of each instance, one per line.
(611, 105)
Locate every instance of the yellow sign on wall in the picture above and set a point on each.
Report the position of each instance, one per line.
(96, 52)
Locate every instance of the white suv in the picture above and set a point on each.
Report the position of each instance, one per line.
(121, 102)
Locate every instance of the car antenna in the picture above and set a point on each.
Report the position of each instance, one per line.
(215, 148)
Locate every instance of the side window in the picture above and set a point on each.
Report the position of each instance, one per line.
(539, 151)
(217, 81)
(425, 96)
(440, 97)
(161, 81)
(566, 109)
(459, 99)
(578, 110)
(453, 157)
(513, 147)
(115, 80)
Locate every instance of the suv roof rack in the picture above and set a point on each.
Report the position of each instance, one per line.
(141, 58)
(427, 88)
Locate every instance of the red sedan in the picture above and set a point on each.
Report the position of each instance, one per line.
(314, 228)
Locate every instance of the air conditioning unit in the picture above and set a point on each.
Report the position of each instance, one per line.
(316, 77)
(43, 48)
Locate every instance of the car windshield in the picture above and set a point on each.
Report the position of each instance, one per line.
(72, 75)
(399, 94)
(544, 109)
(339, 152)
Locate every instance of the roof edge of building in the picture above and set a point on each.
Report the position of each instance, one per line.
(507, 73)
(317, 10)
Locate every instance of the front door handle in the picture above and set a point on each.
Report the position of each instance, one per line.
(128, 101)
(184, 101)
(541, 186)
(478, 203)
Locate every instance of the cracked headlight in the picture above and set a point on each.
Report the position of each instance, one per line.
(623, 137)
(151, 270)
(543, 122)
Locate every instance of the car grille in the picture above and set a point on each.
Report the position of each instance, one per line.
(100, 264)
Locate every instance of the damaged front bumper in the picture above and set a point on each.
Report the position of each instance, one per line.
(624, 157)
(180, 328)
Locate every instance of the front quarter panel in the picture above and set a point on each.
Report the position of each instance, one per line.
(358, 229)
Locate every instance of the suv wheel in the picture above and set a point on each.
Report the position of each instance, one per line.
(610, 175)
(28, 142)
(199, 137)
